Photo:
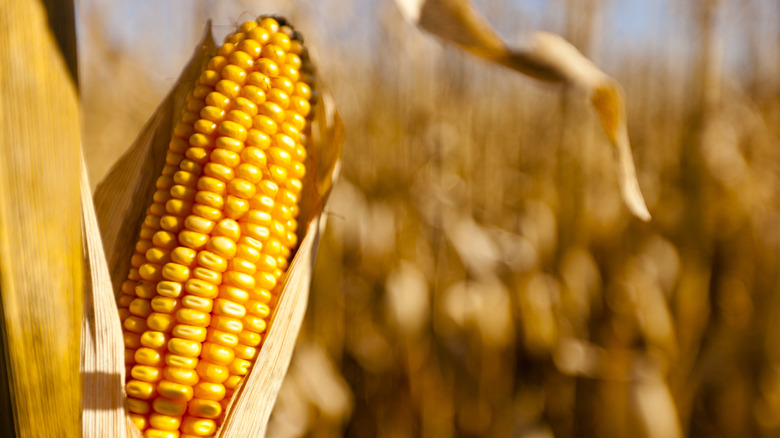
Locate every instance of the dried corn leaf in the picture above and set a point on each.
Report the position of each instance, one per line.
(120, 202)
(547, 57)
(102, 346)
(41, 271)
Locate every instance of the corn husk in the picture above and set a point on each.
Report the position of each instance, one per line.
(41, 270)
(120, 202)
(546, 57)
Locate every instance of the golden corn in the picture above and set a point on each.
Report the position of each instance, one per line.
(217, 238)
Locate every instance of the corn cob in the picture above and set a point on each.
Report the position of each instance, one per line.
(217, 239)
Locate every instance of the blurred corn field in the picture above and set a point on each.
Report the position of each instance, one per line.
(480, 275)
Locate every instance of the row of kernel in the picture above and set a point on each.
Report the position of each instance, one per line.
(162, 269)
(230, 127)
(134, 305)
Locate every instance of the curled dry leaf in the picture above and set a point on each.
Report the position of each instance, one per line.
(547, 57)
(120, 201)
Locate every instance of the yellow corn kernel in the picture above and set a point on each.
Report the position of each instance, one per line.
(193, 239)
(198, 224)
(258, 308)
(164, 304)
(225, 157)
(258, 139)
(227, 88)
(261, 295)
(255, 231)
(278, 173)
(201, 288)
(140, 389)
(224, 339)
(240, 117)
(164, 422)
(266, 263)
(227, 324)
(198, 426)
(217, 99)
(265, 280)
(137, 260)
(222, 246)
(140, 421)
(208, 184)
(146, 373)
(229, 144)
(245, 352)
(265, 124)
(284, 84)
(208, 391)
(239, 279)
(161, 322)
(207, 275)
(254, 323)
(229, 308)
(207, 212)
(135, 324)
(184, 347)
(236, 207)
(241, 188)
(259, 34)
(241, 59)
(231, 384)
(175, 272)
(157, 433)
(153, 339)
(192, 317)
(209, 199)
(170, 289)
(199, 154)
(233, 293)
(150, 272)
(197, 303)
(212, 261)
(137, 406)
(184, 376)
(234, 73)
(175, 391)
(212, 372)
(204, 408)
(124, 301)
(174, 360)
(217, 354)
(148, 356)
(219, 171)
(174, 225)
(249, 338)
(190, 332)
(250, 173)
(132, 340)
(185, 178)
(251, 47)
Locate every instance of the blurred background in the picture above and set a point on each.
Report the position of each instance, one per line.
(480, 275)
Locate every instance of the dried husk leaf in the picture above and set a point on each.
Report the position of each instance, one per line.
(41, 270)
(120, 203)
(547, 57)
(102, 346)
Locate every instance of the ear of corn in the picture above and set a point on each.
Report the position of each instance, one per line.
(218, 236)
